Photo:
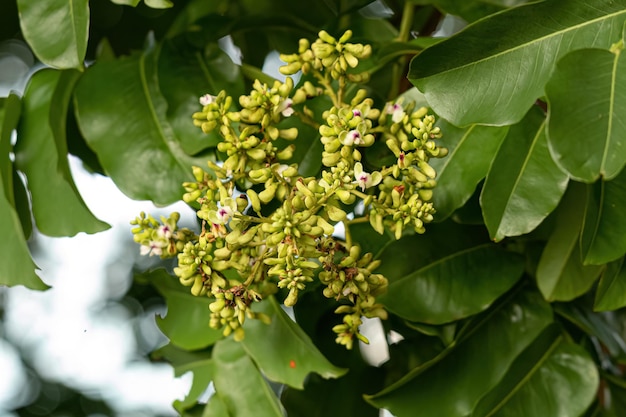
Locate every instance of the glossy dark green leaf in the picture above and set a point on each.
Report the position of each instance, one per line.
(155, 4)
(604, 231)
(471, 10)
(451, 384)
(41, 154)
(334, 397)
(240, 384)
(282, 350)
(369, 239)
(202, 375)
(471, 151)
(70, 20)
(428, 248)
(551, 377)
(186, 73)
(10, 109)
(19, 269)
(454, 287)
(588, 140)
(602, 326)
(524, 184)
(561, 275)
(122, 115)
(22, 204)
(187, 321)
(611, 292)
(617, 390)
(479, 77)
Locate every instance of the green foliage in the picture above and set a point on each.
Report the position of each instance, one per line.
(508, 303)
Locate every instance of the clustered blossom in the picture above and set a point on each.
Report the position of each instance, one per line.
(266, 227)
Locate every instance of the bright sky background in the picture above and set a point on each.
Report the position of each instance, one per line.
(77, 332)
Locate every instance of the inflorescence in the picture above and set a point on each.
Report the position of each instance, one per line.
(265, 226)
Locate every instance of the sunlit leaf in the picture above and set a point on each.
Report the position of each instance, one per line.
(451, 384)
(479, 77)
(185, 73)
(586, 125)
(239, 383)
(70, 20)
(215, 407)
(282, 350)
(122, 116)
(561, 274)
(202, 375)
(561, 370)
(471, 151)
(19, 268)
(454, 287)
(604, 231)
(41, 154)
(611, 292)
(187, 321)
(524, 184)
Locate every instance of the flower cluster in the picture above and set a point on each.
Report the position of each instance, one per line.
(265, 227)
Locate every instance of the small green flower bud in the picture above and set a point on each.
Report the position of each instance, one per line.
(253, 197)
(268, 194)
(335, 213)
(289, 134)
(286, 153)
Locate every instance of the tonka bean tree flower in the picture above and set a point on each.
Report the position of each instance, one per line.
(265, 227)
(364, 179)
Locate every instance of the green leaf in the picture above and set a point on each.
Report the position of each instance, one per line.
(454, 287)
(335, 397)
(524, 184)
(476, 77)
(69, 19)
(239, 383)
(202, 375)
(561, 275)
(604, 327)
(187, 321)
(22, 204)
(369, 239)
(471, 151)
(215, 407)
(586, 127)
(186, 73)
(155, 4)
(41, 154)
(470, 10)
(604, 230)
(10, 109)
(19, 269)
(122, 116)
(451, 384)
(611, 292)
(282, 350)
(426, 249)
(551, 377)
